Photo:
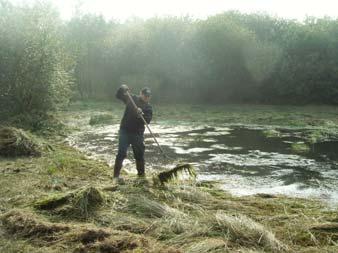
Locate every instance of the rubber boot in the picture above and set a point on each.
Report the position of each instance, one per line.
(117, 168)
(142, 180)
(140, 168)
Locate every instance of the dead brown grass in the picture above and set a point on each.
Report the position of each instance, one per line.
(24, 224)
(27, 225)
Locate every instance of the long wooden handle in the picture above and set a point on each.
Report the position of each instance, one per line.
(145, 122)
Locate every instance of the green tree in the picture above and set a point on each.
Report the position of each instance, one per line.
(34, 67)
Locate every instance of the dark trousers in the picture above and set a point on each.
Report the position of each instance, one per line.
(137, 144)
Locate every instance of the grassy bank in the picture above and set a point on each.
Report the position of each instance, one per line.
(185, 217)
(61, 201)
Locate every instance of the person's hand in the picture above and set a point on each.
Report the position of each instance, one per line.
(124, 88)
(139, 112)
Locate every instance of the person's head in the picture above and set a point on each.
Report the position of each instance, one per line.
(145, 94)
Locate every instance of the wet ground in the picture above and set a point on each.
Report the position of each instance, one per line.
(242, 157)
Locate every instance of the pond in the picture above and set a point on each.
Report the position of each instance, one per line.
(242, 157)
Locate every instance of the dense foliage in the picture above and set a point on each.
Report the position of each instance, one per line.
(227, 58)
(33, 64)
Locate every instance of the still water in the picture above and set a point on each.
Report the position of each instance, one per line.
(240, 156)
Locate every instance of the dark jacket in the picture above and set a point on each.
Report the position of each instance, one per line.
(131, 122)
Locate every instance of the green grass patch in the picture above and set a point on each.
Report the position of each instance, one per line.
(300, 147)
(101, 119)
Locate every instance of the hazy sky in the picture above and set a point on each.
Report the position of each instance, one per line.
(122, 9)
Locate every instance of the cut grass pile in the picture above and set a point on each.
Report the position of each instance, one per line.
(76, 238)
(242, 230)
(25, 224)
(79, 203)
(208, 245)
(145, 207)
(16, 142)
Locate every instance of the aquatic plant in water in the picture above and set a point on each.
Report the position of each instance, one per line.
(300, 147)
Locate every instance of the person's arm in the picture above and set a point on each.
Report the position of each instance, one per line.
(122, 93)
(148, 113)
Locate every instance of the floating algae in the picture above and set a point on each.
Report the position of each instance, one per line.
(16, 142)
(300, 147)
(271, 133)
(79, 203)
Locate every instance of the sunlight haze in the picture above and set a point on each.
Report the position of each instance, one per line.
(122, 10)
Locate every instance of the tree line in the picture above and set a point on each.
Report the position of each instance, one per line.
(227, 58)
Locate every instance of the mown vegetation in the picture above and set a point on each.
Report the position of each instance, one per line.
(70, 205)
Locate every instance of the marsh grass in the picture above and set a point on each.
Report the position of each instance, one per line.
(101, 119)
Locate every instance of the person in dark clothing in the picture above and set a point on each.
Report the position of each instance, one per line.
(132, 128)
